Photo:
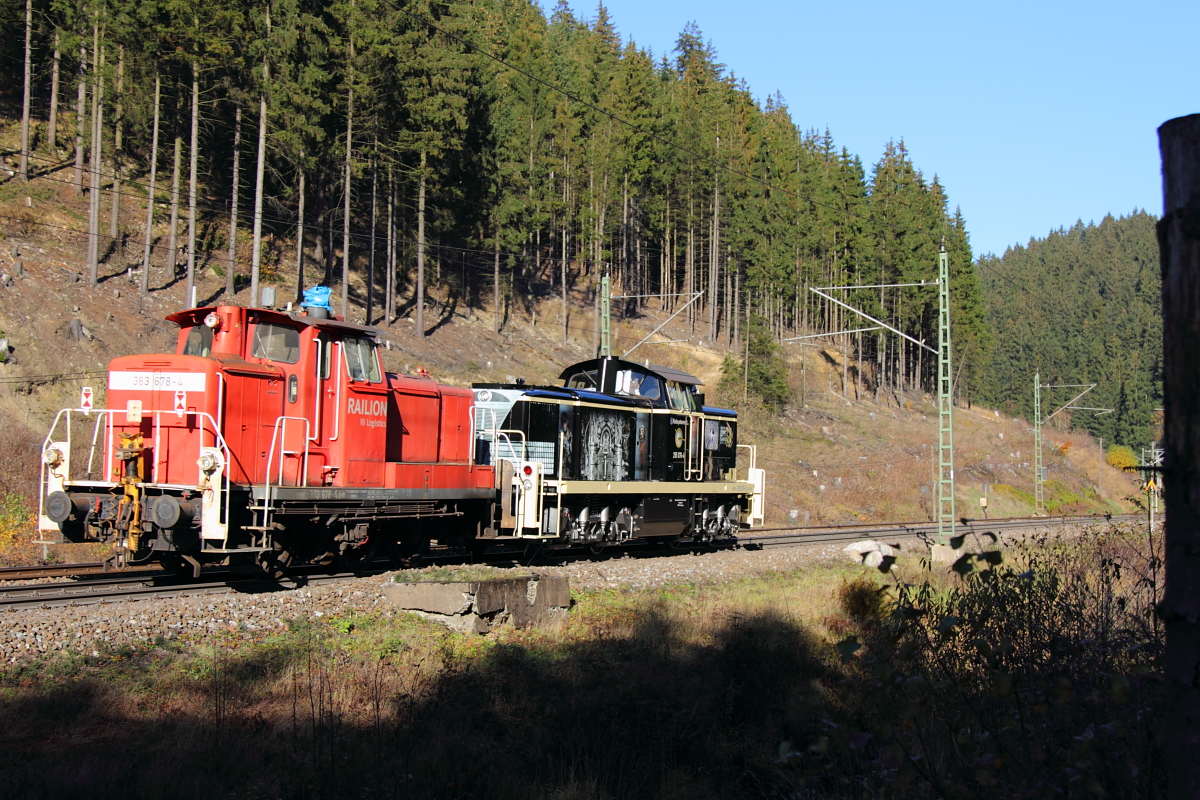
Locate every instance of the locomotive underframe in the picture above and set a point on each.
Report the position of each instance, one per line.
(303, 521)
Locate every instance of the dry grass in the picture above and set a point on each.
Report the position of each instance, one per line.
(812, 684)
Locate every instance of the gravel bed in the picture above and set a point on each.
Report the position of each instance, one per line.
(230, 617)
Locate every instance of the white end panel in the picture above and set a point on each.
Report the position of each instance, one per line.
(758, 502)
(213, 499)
(54, 479)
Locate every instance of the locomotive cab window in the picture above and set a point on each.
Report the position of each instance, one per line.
(362, 363)
(324, 356)
(583, 380)
(633, 382)
(276, 343)
(680, 396)
(198, 342)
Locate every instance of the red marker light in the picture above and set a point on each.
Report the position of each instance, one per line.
(528, 470)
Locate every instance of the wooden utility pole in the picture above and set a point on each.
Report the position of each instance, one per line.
(1179, 247)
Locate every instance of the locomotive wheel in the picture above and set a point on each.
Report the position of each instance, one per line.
(270, 563)
(358, 558)
(410, 550)
(595, 549)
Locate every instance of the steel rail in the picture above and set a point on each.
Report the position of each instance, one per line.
(126, 586)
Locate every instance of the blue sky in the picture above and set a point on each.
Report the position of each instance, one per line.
(1032, 114)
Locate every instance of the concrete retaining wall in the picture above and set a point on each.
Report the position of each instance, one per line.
(477, 606)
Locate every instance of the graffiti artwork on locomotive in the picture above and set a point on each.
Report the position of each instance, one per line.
(276, 437)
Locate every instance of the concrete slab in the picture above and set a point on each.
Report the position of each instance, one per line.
(477, 606)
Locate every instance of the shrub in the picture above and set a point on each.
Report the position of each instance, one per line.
(862, 599)
(1121, 457)
(17, 527)
(1028, 680)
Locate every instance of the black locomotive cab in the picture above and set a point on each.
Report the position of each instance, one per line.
(621, 450)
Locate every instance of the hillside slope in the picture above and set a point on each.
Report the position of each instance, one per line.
(830, 456)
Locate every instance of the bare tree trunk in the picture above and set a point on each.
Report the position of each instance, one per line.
(145, 286)
(1179, 245)
(421, 251)
(114, 226)
(300, 234)
(80, 116)
(25, 102)
(52, 131)
(193, 164)
(259, 173)
(371, 240)
(496, 280)
(346, 197)
(94, 182)
(231, 264)
(323, 232)
(173, 235)
(389, 305)
(714, 253)
(563, 267)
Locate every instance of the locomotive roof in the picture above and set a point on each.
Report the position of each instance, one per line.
(666, 373)
(198, 314)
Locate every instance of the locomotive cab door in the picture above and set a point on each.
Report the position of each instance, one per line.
(322, 466)
(363, 413)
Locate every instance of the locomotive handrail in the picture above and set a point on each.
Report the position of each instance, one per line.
(753, 454)
(281, 427)
(497, 434)
(106, 417)
(505, 433)
(335, 372)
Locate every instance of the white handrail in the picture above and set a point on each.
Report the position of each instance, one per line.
(320, 395)
(336, 373)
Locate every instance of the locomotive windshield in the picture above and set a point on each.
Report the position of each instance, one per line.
(681, 396)
(198, 342)
(276, 343)
(583, 380)
(361, 362)
(634, 382)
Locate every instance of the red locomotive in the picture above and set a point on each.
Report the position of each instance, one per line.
(277, 436)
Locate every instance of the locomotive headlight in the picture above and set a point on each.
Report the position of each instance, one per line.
(207, 462)
(212, 321)
(528, 484)
(52, 457)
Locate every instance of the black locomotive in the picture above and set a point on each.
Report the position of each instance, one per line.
(620, 451)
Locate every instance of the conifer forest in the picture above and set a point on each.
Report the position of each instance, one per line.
(492, 154)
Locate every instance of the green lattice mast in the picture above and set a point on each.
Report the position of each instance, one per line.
(1039, 489)
(946, 515)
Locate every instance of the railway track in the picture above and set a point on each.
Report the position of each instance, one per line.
(769, 537)
(91, 584)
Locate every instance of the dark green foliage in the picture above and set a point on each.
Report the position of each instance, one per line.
(669, 175)
(1082, 305)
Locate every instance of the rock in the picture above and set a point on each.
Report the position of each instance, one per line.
(75, 309)
(477, 606)
(6, 279)
(18, 268)
(869, 552)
